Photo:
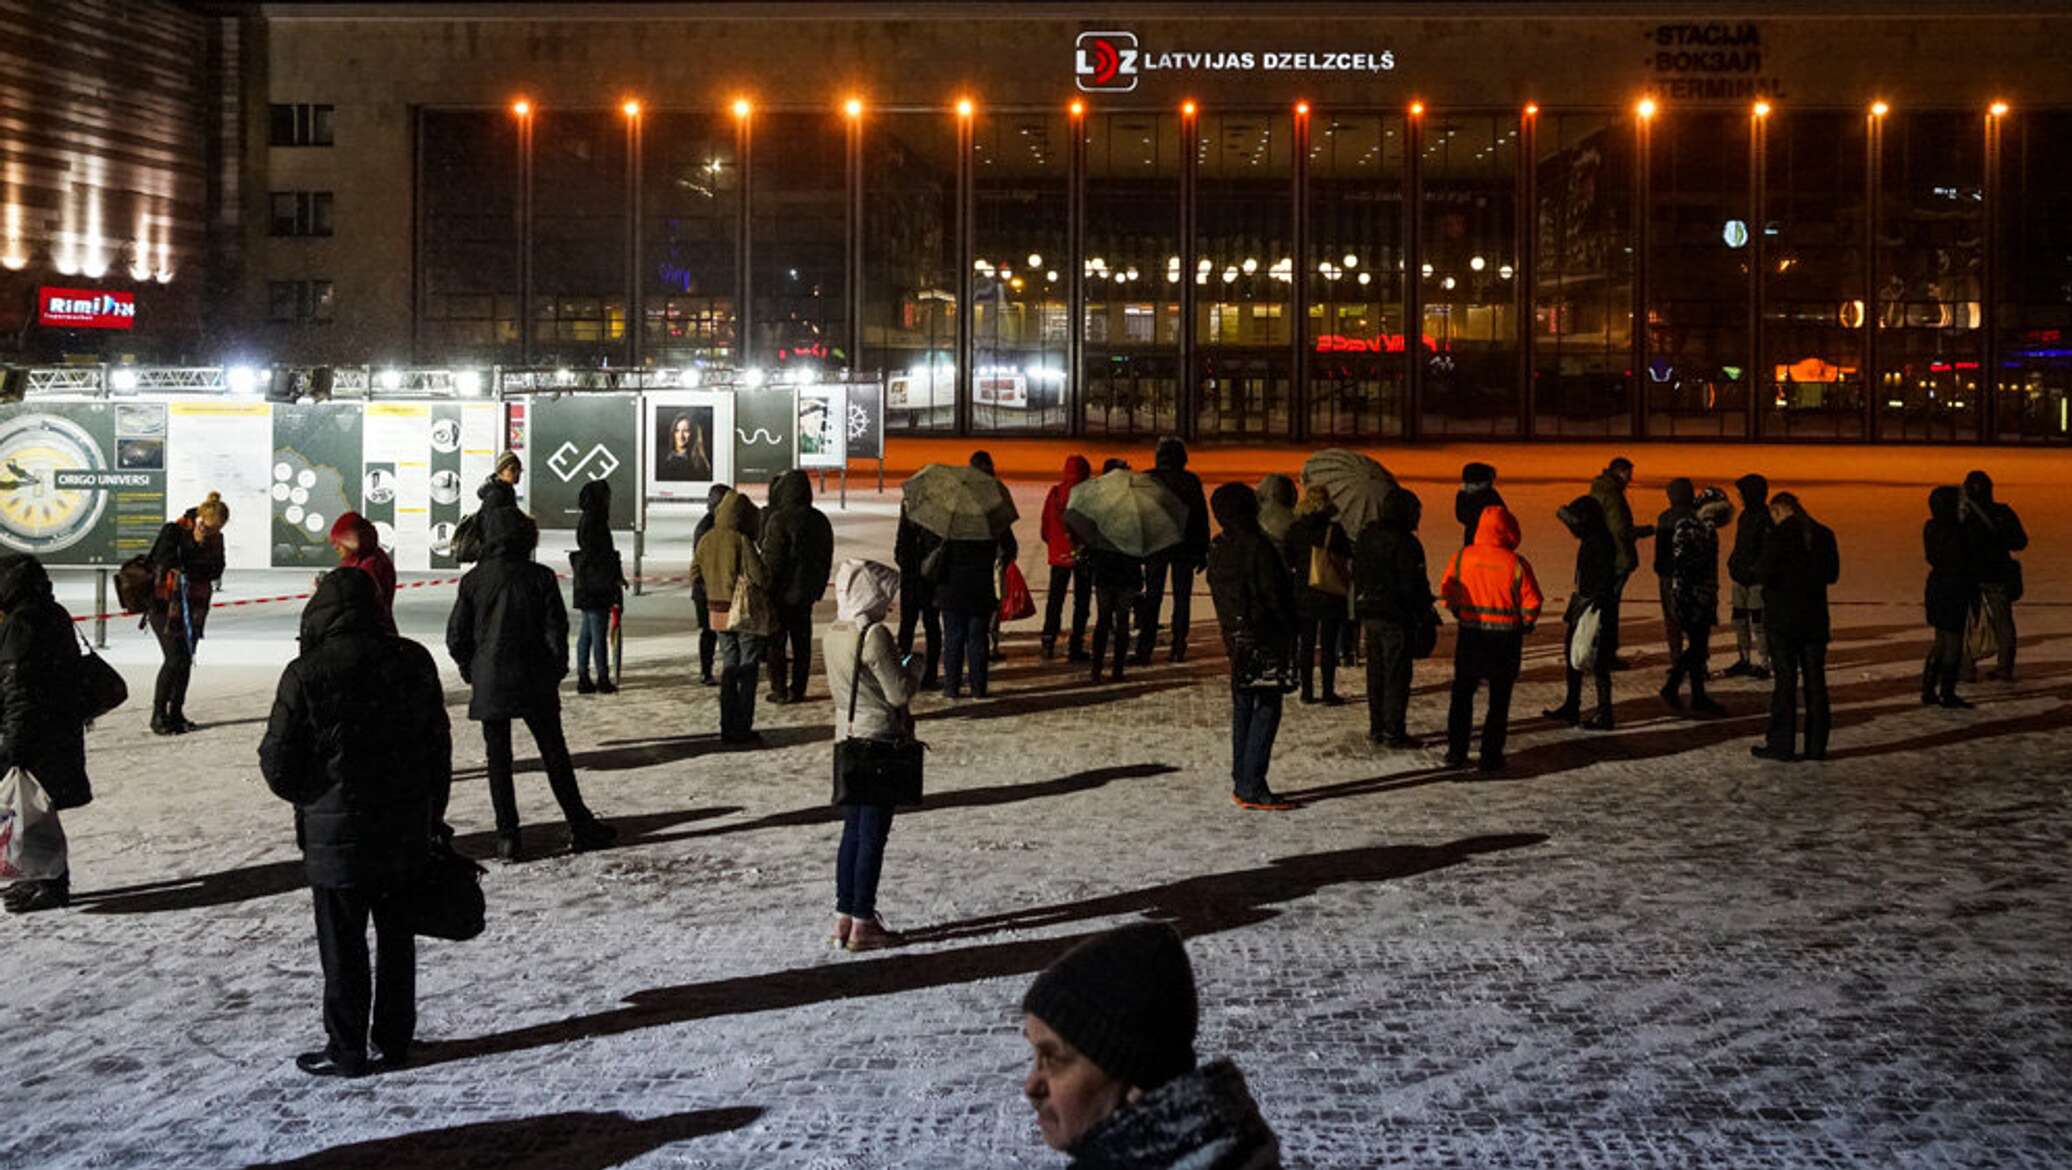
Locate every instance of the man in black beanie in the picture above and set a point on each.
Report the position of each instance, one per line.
(1114, 1080)
(1477, 491)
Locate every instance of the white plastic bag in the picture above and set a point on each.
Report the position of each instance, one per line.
(1582, 647)
(32, 843)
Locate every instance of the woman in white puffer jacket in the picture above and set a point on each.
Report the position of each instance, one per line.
(881, 684)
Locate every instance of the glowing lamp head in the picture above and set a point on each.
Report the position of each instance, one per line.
(1532, 109)
(964, 107)
(522, 108)
(1646, 108)
(853, 107)
(1997, 109)
(1762, 109)
(1880, 109)
(1077, 108)
(1417, 109)
(1302, 109)
(741, 108)
(1187, 107)
(630, 107)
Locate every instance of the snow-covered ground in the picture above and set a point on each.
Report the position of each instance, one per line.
(1642, 949)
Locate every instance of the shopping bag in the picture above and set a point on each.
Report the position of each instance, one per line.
(1582, 643)
(1981, 640)
(32, 843)
(1015, 601)
(1327, 573)
(447, 900)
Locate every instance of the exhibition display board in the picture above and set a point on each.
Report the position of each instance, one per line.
(82, 482)
(574, 439)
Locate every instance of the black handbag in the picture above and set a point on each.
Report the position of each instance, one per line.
(447, 900)
(101, 689)
(875, 771)
(1424, 635)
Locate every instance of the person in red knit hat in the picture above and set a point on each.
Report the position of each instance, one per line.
(359, 547)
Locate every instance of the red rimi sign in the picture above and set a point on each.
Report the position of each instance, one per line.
(85, 308)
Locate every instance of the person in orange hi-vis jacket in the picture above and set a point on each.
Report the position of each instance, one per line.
(1496, 599)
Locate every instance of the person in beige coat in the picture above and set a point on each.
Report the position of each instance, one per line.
(866, 669)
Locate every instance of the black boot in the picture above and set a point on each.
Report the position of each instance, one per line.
(1078, 652)
(1947, 696)
(1601, 719)
(1050, 647)
(1571, 708)
(1929, 674)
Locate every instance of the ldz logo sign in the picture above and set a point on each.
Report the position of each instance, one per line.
(1106, 62)
(570, 461)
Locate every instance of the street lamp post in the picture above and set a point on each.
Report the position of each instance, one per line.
(522, 109)
(636, 314)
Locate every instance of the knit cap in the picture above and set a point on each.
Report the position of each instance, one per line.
(1126, 1000)
(506, 460)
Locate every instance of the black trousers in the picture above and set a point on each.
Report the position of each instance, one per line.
(1112, 621)
(1388, 679)
(1793, 663)
(708, 638)
(918, 605)
(1156, 572)
(1079, 582)
(1320, 634)
(1945, 663)
(1602, 675)
(791, 650)
(1481, 656)
(561, 770)
(176, 666)
(1691, 661)
(351, 991)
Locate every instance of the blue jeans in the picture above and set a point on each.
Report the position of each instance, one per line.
(964, 637)
(595, 632)
(1255, 718)
(861, 858)
(739, 656)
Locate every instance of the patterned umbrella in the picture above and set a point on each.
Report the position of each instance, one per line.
(1128, 512)
(1357, 485)
(958, 503)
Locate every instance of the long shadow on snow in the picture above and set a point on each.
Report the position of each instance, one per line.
(1196, 906)
(554, 1141)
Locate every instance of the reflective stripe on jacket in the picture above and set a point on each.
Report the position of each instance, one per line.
(1488, 585)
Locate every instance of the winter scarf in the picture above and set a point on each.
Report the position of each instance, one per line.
(1201, 1120)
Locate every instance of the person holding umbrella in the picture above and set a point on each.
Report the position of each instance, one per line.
(1124, 519)
(969, 513)
(1180, 563)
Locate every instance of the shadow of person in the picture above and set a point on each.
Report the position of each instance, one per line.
(1001, 706)
(1196, 906)
(266, 880)
(627, 754)
(552, 1141)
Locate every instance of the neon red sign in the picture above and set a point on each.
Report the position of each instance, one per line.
(84, 308)
(1385, 343)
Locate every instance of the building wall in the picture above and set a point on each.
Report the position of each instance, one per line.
(102, 107)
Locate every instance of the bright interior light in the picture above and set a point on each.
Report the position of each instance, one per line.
(1477, 263)
(753, 376)
(1880, 109)
(392, 379)
(521, 107)
(1446, 283)
(853, 107)
(1366, 278)
(1646, 108)
(564, 376)
(240, 379)
(1035, 259)
(468, 382)
(122, 378)
(1250, 266)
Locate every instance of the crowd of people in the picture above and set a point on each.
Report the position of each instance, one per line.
(360, 743)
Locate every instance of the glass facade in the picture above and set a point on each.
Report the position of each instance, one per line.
(1264, 273)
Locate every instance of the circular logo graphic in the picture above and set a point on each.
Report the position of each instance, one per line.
(446, 486)
(380, 487)
(446, 436)
(36, 517)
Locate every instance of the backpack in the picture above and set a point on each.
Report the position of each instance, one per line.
(467, 539)
(135, 582)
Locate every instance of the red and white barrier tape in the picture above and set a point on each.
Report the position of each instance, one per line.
(400, 586)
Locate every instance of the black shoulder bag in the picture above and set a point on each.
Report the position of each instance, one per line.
(875, 771)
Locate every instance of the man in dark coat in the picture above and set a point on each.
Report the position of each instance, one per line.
(1681, 494)
(500, 490)
(1999, 535)
(1691, 593)
(1255, 606)
(1477, 491)
(1179, 563)
(911, 545)
(1609, 489)
(509, 635)
(1595, 556)
(42, 727)
(798, 548)
(1955, 554)
(708, 638)
(1392, 597)
(1750, 641)
(359, 742)
(1799, 561)
(968, 602)
(1006, 551)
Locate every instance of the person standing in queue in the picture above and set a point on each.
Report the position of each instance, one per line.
(1255, 609)
(1118, 589)
(1800, 560)
(708, 638)
(1693, 592)
(1610, 490)
(1595, 556)
(508, 634)
(1006, 550)
(2000, 535)
(1682, 499)
(1392, 597)
(1277, 500)
(1751, 643)
(798, 548)
(1496, 600)
(970, 605)
(358, 545)
(1323, 558)
(1176, 565)
(1113, 1076)
(1951, 596)
(1477, 491)
(187, 559)
(600, 586)
(1068, 570)
(42, 723)
(911, 545)
(500, 490)
(737, 586)
(360, 743)
(867, 675)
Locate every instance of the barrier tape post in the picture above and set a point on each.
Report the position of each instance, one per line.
(101, 609)
(639, 549)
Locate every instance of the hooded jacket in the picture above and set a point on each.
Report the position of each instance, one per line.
(1169, 467)
(1952, 561)
(1682, 497)
(798, 544)
(368, 557)
(599, 574)
(41, 725)
(1253, 592)
(1750, 529)
(1488, 586)
(359, 742)
(727, 555)
(1693, 561)
(1277, 497)
(1477, 491)
(2000, 531)
(1203, 1119)
(1059, 545)
(864, 593)
(911, 545)
(495, 493)
(712, 501)
(1618, 516)
(1390, 581)
(509, 630)
(1799, 561)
